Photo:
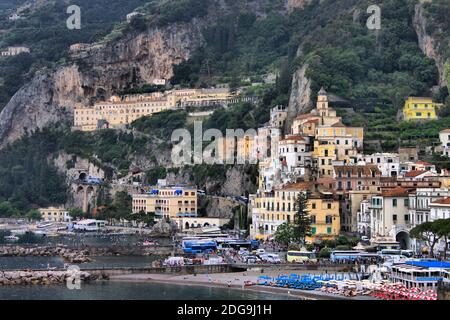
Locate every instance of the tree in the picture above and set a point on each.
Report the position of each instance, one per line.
(443, 227)
(284, 233)
(34, 214)
(76, 213)
(428, 232)
(302, 220)
(7, 210)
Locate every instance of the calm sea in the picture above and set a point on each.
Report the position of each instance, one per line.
(110, 290)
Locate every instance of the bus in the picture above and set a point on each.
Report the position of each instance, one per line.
(300, 257)
(351, 255)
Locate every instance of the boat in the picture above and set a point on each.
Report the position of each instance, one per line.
(11, 238)
(19, 232)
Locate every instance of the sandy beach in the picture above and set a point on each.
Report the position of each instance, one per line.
(235, 281)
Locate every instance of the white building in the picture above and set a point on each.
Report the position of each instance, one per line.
(387, 163)
(440, 209)
(14, 51)
(363, 218)
(294, 153)
(444, 136)
(421, 204)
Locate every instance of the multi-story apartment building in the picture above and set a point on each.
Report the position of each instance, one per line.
(444, 136)
(167, 201)
(271, 209)
(390, 216)
(355, 198)
(420, 108)
(278, 117)
(387, 163)
(363, 218)
(295, 155)
(420, 203)
(354, 177)
(118, 112)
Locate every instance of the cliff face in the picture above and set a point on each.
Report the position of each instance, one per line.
(428, 44)
(300, 99)
(136, 59)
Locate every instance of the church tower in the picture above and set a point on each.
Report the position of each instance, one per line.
(322, 103)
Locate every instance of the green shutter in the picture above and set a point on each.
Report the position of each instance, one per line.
(329, 230)
(314, 230)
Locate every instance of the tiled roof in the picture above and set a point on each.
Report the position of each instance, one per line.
(304, 116)
(424, 163)
(299, 186)
(442, 201)
(293, 138)
(414, 173)
(396, 192)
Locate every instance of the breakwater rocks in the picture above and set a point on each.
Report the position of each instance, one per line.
(42, 277)
(70, 255)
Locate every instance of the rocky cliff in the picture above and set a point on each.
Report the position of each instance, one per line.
(428, 45)
(300, 99)
(135, 60)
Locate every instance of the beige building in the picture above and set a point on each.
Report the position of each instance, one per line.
(117, 112)
(53, 214)
(120, 111)
(272, 209)
(167, 201)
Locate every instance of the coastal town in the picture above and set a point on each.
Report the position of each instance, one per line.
(225, 150)
(366, 213)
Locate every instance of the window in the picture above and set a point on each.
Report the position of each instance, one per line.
(394, 218)
(328, 230)
(329, 205)
(313, 230)
(329, 219)
(313, 205)
(313, 219)
(406, 202)
(394, 202)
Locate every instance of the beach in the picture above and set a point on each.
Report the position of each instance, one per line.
(235, 281)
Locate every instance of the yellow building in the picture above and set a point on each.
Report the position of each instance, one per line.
(53, 214)
(272, 209)
(167, 202)
(418, 108)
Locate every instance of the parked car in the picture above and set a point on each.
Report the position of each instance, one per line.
(250, 259)
(270, 258)
(260, 251)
